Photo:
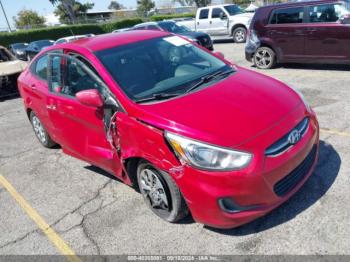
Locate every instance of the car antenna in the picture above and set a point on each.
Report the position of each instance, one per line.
(71, 31)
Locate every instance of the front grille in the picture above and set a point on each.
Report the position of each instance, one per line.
(289, 182)
(283, 143)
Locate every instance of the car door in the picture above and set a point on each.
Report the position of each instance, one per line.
(286, 32)
(218, 24)
(80, 129)
(326, 37)
(34, 87)
(202, 20)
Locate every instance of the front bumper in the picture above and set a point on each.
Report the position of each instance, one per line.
(251, 189)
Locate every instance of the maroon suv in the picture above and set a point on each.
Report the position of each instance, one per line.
(302, 32)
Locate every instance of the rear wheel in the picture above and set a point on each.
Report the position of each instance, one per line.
(264, 58)
(239, 35)
(40, 131)
(160, 193)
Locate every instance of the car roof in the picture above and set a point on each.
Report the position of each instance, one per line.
(145, 24)
(301, 3)
(111, 40)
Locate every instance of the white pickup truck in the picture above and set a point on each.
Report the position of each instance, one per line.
(221, 22)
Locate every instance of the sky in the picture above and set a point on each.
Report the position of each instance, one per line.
(44, 7)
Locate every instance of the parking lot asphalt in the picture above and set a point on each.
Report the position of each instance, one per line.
(95, 214)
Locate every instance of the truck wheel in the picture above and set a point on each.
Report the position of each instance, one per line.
(264, 58)
(40, 131)
(239, 35)
(160, 193)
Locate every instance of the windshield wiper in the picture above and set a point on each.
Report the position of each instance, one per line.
(157, 96)
(208, 78)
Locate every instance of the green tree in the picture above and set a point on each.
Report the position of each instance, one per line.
(68, 10)
(114, 5)
(144, 6)
(184, 2)
(202, 3)
(28, 19)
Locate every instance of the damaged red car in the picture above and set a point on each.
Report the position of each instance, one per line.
(188, 129)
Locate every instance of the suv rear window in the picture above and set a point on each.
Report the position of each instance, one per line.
(287, 16)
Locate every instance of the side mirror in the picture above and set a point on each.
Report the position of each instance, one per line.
(219, 54)
(345, 20)
(90, 97)
(223, 16)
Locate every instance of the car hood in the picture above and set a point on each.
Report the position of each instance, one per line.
(243, 15)
(12, 67)
(227, 113)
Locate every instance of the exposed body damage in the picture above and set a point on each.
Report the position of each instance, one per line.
(10, 67)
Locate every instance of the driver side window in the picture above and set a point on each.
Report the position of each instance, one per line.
(69, 76)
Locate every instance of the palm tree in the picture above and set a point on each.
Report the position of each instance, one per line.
(68, 6)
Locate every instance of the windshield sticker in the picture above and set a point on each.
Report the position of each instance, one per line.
(177, 41)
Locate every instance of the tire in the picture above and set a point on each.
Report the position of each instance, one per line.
(239, 35)
(163, 187)
(40, 131)
(264, 58)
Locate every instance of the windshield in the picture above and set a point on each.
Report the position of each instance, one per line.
(342, 9)
(233, 9)
(20, 45)
(173, 27)
(161, 65)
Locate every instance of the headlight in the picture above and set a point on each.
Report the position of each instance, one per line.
(20, 52)
(205, 156)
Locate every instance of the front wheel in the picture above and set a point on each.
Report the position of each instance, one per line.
(160, 193)
(239, 35)
(264, 58)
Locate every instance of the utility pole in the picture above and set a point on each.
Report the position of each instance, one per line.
(7, 21)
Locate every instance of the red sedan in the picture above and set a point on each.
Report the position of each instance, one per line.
(188, 129)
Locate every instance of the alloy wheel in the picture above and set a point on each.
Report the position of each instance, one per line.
(263, 58)
(240, 35)
(39, 129)
(153, 190)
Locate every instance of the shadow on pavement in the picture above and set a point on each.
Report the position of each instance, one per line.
(318, 184)
(329, 67)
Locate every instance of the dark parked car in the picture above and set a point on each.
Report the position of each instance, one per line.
(200, 38)
(35, 47)
(19, 50)
(303, 32)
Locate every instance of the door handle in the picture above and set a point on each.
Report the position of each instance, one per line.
(210, 22)
(51, 107)
(33, 87)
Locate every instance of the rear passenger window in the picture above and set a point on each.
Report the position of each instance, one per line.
(323, 14)
(216, 13)
(41, 67)
(204, 14)
(288, 16)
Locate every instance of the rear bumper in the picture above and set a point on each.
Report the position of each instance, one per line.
(252, 189)
(250, 49)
